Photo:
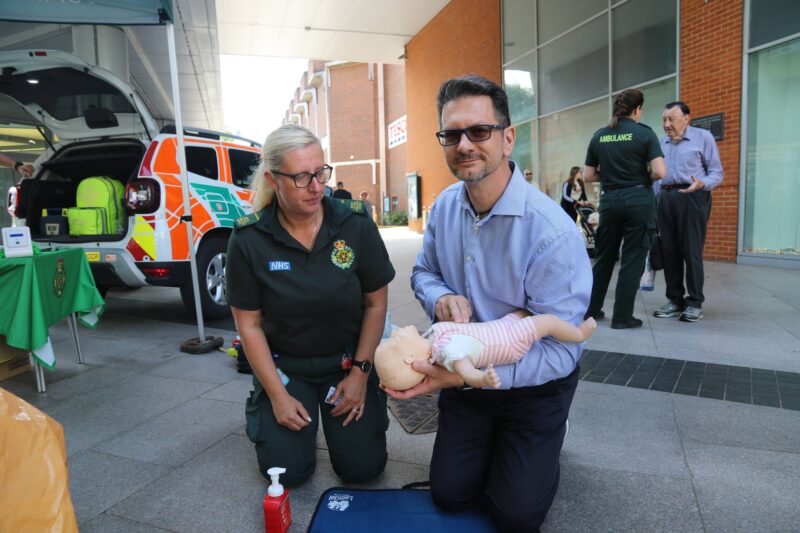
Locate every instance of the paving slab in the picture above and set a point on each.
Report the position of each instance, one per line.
(98, 481)
(592, 499)
(744, 489)
(106, 412)
(179, 434)
(620, 428)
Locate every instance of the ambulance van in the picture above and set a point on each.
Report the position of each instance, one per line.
(109, 180)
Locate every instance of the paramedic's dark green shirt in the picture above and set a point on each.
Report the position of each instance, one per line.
(622, 153)
(311, 302)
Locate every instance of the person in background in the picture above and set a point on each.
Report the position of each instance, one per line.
(623, 150)
(307, 281)
(498, 447)
(364, 197)
(528, 174)
(341, 192)
(26, 169)
(693, 171)
(573, 193)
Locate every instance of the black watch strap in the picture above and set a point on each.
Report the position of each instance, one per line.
(364, 366)
(18, 164)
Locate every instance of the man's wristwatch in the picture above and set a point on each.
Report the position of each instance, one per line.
(365, 366)
(17, 165)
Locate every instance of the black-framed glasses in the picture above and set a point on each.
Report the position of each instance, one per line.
(303, 179)
(477, 133)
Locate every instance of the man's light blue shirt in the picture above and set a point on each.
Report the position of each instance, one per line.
(696, 154)
(527, 253)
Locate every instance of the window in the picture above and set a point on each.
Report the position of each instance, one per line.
(243, 164)
(656, 96)
(524, 153)
(574, 68)
(519, 28)
(644, 41)
(564, 138)
(557, 16)
(772, 187)
(772, 20)
(202, 161)
(519, 79)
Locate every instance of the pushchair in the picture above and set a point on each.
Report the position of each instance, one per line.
(588, 218)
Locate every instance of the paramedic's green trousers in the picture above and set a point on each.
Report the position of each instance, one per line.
(627, 217)
(357, 452)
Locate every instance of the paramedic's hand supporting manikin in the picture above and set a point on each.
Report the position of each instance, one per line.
(26, 169)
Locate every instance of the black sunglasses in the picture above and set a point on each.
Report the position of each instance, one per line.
(303, 179)
(476, 134)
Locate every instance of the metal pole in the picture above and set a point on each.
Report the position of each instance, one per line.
(187, 208)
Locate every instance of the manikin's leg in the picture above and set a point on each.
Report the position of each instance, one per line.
(474, 377)
(552, 326)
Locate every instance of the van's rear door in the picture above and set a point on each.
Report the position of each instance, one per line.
(73, 99)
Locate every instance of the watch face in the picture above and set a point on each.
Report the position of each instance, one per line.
(365, 366)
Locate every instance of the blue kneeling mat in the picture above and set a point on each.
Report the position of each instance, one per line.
(390, 510)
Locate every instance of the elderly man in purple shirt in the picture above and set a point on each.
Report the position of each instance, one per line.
(693, 170)
(493, 245)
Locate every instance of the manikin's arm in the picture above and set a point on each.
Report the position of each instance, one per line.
(561, 330)
(474, 377)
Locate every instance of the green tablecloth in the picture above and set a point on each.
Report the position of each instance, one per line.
(39, 291)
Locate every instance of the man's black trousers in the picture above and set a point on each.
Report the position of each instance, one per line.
(499, 449)
(682, 222)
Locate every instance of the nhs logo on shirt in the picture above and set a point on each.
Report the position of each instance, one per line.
(279, 265)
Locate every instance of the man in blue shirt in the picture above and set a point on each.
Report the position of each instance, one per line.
(693, 170)
(493, 245)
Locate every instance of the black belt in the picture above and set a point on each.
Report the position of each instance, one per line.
(673, 186)
(613, 187)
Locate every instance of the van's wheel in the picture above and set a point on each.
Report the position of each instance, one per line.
(103, 290)
(211, 260)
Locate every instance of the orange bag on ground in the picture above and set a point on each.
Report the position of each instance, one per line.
(34, 482)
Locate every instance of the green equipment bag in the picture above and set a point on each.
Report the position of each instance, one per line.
(105, 193)
(87, 221)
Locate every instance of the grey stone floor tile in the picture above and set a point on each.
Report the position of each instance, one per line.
(220, 490)
(406, 448)
(176, 436)
(214, 367)
(733, 424)
(108, 523)
(236, 390)
(106, 412)
(592, 499)
(742, 489)
(98, 481)
(623, 428)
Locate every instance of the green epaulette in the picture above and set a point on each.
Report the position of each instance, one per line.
(247, 220)
(356, 206)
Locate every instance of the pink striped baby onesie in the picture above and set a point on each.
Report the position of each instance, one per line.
(503, 341)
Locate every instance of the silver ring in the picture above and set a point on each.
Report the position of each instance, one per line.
(355, 410)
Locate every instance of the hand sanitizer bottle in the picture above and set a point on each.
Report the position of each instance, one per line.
(277, 513)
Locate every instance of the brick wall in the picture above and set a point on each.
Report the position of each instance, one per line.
(463, 38)
(353, 121)
(395, 97)
(711, 82)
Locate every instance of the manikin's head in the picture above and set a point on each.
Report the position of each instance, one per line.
(394, 356)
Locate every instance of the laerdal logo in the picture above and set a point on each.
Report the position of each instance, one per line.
(339, 502)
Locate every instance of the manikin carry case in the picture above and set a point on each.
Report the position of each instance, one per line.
(390, 511)
(106, 193)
